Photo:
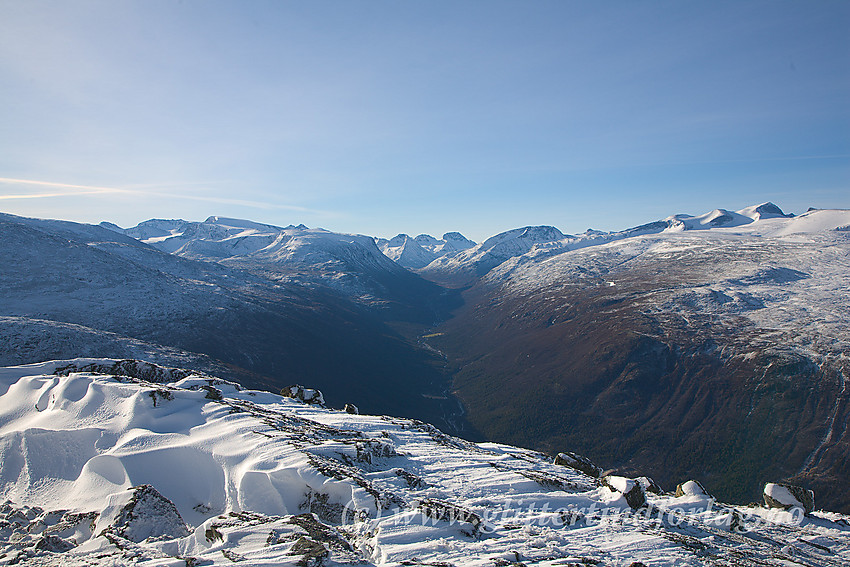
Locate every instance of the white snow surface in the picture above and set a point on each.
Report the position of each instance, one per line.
(246, 469)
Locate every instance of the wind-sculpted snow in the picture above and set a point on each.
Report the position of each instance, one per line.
(111, 469)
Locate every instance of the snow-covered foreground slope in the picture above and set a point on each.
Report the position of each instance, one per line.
(122, 463)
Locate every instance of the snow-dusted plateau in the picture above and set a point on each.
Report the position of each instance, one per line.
(708, 352)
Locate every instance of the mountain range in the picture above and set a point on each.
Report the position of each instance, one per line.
(711, 346)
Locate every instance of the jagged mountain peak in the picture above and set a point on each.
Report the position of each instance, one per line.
(426, 239)
(533, 234)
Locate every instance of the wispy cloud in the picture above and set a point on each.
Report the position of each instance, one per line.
(73, 190)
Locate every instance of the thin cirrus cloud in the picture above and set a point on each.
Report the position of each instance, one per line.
(73, 190)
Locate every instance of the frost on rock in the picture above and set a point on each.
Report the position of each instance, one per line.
(146, 514)
(578, 463)
(787, 496)
(28, 533)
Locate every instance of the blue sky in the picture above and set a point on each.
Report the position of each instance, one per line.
(381, 117)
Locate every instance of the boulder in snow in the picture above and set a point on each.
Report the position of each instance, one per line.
(578, 463)
(649, 485)
(787, 496)
(632, 490)
(692, 488)
(54, 544)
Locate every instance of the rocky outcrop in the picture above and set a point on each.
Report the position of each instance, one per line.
(448, 512)
(144, 513)
(306, 395)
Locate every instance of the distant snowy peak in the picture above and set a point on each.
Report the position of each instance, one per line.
(347, 262)
(713, 219)
(718, 218)
(524, 237)
(764, 211)
(418, 252)
(152, 230)
(465, 265)
(721, 218)
(456, 242)
(535, 243)
(407, 252)
(427, 240)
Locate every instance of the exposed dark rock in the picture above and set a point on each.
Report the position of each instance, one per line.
(312, 552)
(412, 480)
(352, 409)
(578, 463)
(448, 512)
(130, 368)
(54, 544)
(649, 485)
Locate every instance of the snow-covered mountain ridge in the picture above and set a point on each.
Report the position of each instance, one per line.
(453, 259)
(779, 273)
(120, 462)
(350, 263)
(533, 243)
